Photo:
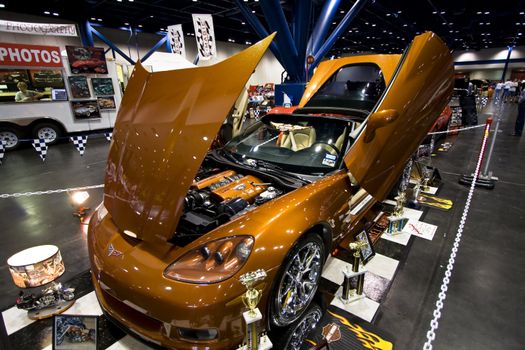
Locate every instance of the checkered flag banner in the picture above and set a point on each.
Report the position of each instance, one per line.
(2, 150)
(40, 146)
(80, 143)
(176, 37)
(108, 135)
(205, 36)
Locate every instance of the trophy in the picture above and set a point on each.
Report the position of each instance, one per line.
(250, 299)
(354, 280)
(396, 221)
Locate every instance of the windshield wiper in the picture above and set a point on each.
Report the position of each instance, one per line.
(270, 166)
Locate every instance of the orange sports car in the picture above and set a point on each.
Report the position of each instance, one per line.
(180, 222)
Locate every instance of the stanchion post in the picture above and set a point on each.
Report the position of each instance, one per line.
(486, 174)
(480, 181)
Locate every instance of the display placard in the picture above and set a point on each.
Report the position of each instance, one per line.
(30, 55)
(55, 29)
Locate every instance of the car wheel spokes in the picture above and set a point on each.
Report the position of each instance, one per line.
(299, 283)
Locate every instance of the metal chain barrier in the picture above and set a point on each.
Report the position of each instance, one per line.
(39, 193)
(456, 130)
(434, 324)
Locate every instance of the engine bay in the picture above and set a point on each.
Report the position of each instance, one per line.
(218, 196)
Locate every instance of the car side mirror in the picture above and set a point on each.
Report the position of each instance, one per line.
(378, 120)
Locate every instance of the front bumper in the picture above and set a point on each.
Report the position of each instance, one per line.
(132, 290)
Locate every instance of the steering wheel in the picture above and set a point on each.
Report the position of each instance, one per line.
(327, 144)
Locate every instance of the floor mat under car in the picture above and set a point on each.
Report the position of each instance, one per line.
(354, 336)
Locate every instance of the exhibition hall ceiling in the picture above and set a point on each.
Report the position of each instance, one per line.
(383, 26)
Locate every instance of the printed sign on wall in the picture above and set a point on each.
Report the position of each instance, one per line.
(205, 36)
(176, 37)
(29, 55)
(38, 28)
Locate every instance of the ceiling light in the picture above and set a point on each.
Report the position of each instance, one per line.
(480, 23)
(253, 11)
(442, 12)
(151, 16)
(55, 13)
(119, 0)
(333, 22)
(93, 18)
(487, 12)
(2, 6)
(248, 43)
(140, 25)
(399, 11)
(488, 23)
(373, 24)
(479, 12)
(99, 19)
(388, 14)
(47, 12)
(126, 24)
(434, 12)
(342, 11)
(444, 23)
(522, 13)
(520, 34)
(405, 25)
(243, 23)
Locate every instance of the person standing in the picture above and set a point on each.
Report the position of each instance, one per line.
(520, 118)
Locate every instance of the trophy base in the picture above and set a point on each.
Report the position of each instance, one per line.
(51, 311)
(249, 318)
(351, 299)
(264, 344)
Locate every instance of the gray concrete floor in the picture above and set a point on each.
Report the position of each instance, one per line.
(484, 308)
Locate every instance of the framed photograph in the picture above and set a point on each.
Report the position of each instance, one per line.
(102, 86)
(79, 86)
(86, 60)
(46, 78)
(85, 109)
(367, 252)
(75, 332)
(106, 102)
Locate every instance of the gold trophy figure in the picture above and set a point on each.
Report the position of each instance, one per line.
(250, 299)
(400, 203)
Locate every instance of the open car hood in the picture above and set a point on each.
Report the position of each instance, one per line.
(165, 125)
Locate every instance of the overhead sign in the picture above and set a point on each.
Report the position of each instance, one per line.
(205, 36)
(30, 55)
(176, 37)
(38, 28)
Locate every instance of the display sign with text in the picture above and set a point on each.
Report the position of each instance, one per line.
(38, 28)
(29, 55)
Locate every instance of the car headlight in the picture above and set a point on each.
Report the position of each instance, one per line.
(212, 262)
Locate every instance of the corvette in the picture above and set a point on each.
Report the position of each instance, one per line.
(180, 222)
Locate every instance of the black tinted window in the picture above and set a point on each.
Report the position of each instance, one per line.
(356, 86)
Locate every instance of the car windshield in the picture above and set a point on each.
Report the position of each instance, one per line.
(296, 143)
(357, 86)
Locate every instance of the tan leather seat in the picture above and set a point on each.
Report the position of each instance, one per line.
(302, 138)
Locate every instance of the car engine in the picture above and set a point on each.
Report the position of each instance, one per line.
(216, 197)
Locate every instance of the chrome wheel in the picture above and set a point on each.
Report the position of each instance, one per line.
(10, 138)
(307, 324)
(298, 283)
(47, 133)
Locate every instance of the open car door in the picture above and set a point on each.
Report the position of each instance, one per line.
(420, 89)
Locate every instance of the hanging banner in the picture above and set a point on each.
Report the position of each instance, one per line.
(30, 55)
(38, 28)
(205, 36)
(2, 150)
(40, 147)
(176, 37)
(80, 143)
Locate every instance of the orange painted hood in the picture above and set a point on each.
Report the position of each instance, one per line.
(165, 126)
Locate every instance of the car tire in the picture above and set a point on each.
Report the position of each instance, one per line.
(49, 131)
(293, 337)
(11, 137)
(296, 283)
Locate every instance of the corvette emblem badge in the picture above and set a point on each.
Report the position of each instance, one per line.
(113, 252)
